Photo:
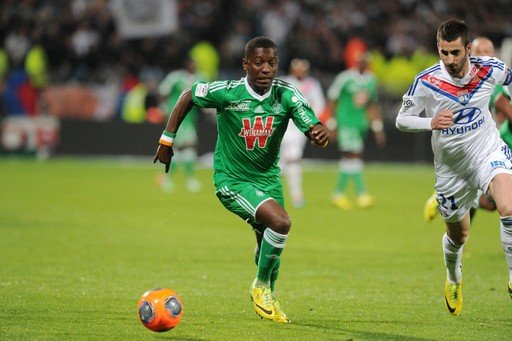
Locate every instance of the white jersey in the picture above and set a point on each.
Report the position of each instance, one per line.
(292, 146)
(311, 89)
(462, 148)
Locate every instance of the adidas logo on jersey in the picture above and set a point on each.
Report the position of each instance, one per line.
(258, 110)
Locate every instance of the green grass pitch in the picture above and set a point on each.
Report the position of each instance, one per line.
(82, 240)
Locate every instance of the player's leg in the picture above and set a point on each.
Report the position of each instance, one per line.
(455, 196)
(273, 215)
(453, 245)
(364, 199)
(278, 223)
(263, 209)
(339, 198)
(500, 189)
(189, 160)
(293, 173)
(292, 148)
(165, 181)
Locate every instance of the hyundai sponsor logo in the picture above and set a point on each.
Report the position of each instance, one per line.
(467, 119)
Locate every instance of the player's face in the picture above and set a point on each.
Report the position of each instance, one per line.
(483, 48)
(261, 67)
(299, 69)
(454, 55)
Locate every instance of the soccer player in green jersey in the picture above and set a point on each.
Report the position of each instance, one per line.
(185, 145)
(501, 108)
(252, 116)
(353, 99)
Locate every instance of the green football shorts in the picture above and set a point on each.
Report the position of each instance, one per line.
(351, 139)
(244, 198)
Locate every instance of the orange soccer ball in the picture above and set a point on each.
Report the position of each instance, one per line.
(160, 309)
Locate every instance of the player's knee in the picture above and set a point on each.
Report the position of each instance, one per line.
(459, 238)
(505, 210)
(282, 224)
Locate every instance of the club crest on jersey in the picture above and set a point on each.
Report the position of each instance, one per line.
(277, 107)
(466, 119)
(463, 96)
(258, 133)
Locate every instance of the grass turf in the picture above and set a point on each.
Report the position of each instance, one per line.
(81, 240)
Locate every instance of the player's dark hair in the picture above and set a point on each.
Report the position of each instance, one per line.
(258, 42)
(453, 29)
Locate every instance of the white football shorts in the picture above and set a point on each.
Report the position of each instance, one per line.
(456, 193)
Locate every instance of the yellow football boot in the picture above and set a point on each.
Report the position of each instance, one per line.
(263, 302)
(280, 316)
(510, 290)
(430, 208)
(365, 201)
(453, 297)
(341, 201)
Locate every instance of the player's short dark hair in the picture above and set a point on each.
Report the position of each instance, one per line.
(453, 29)
(258, 42)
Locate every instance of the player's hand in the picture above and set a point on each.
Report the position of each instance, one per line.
(319, 135)
(380, 138)
(442, 120)
(164, 154)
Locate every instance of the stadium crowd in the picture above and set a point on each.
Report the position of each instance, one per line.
(54, 42)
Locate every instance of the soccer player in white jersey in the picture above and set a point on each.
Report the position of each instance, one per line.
(469, 154)
(252, 117)
(294, 141)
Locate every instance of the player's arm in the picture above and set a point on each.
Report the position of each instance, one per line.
(503, 106)
(376, 124)
(164, 152)
(408, 118)
(306, 120)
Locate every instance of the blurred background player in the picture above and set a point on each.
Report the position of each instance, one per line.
(185, 144)
(353, 100)
(292, 146)
(501, 109)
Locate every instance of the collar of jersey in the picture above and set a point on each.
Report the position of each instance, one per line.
(253, 93)
(459, 81)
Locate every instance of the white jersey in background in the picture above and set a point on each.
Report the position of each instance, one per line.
(294, 140)
(473, 135)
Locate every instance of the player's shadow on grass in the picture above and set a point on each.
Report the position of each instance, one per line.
(356, 334)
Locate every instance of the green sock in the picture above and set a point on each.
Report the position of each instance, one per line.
(273, 275)
(359, 182)
(271, 248)
(189, 168)
(342, 182)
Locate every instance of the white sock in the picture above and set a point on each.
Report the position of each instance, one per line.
(452, 259)
(506, 241)
(294, 177)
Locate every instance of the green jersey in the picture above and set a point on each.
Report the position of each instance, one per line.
(353, 91)
(250, 126)
(499, 90)
(172, 86)
(505, 127)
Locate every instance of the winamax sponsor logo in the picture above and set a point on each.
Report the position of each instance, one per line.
(258, 133)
